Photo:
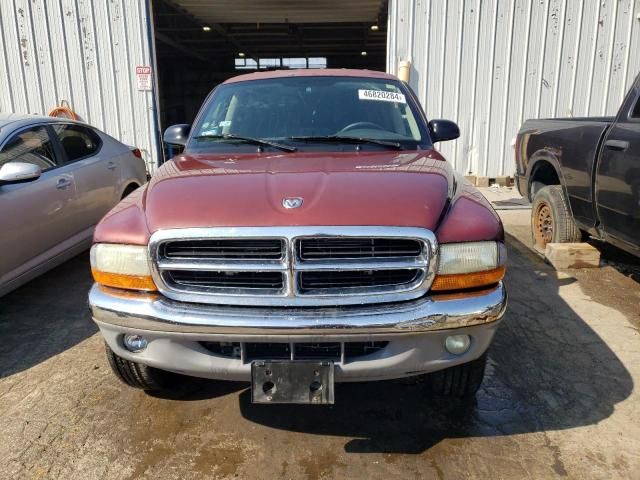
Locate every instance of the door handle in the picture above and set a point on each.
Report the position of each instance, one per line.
(618, 145)
(111, 166)
(63, 183)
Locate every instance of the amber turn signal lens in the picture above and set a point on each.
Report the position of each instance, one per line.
(460, 281)
(130, 282)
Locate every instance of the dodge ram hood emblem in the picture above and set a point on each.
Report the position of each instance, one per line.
(292, 202)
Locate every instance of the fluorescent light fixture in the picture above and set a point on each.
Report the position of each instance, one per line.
(375, 28)
(241, 54)
(206, 28)
(363, 53)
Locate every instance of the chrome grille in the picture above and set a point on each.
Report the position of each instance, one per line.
(343, 248)
(323, 281)
(273, 281)
(222, 249)
(293, 266)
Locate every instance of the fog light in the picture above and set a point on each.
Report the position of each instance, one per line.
(135, 343)
(457, 344)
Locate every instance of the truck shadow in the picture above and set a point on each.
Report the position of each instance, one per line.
(548, 370)
(45, 316)
(623, 262)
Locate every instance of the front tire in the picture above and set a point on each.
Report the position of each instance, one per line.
(551, 220)
(138, 375)
(459, 381)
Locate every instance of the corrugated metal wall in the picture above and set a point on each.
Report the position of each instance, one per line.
(491, 64)
(84, 52)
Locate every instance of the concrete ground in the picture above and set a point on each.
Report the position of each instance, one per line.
(559, 398)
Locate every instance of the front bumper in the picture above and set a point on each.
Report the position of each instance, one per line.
(415, 331)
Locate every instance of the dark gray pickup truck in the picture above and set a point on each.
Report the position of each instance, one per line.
(582, 176)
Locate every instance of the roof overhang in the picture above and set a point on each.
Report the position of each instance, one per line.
(282, 11)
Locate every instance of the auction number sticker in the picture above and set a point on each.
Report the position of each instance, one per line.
(381, 96)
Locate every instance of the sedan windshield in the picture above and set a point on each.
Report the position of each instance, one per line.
(328, 112)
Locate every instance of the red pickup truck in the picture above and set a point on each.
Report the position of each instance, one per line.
(309, 233)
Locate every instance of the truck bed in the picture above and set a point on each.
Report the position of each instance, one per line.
(579, 119)
(571, 145)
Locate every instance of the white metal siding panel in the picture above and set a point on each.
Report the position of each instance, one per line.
(512, 113)
(487, 49)
(142, 36)
(491, 64)
(585, 58)
(465, 151)
(84, 52)
(122, 80)
(548, 87)
(433, 56)
(597, 98)
(6, 97)
(633, 55)
(13, 44)
(618, 57)
(105, 66)
(451, 68)
(493, 152)
(564, 98)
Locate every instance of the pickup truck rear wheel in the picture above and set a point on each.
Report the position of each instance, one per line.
(551, 220)
(459, 381)
(138, 375)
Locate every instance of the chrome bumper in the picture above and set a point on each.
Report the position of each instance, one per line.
(415, 332)
(154, 312)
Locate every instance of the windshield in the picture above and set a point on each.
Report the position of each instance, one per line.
(300, 110)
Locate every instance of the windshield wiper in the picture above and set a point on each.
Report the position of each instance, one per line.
(340, 138)
(254, 141)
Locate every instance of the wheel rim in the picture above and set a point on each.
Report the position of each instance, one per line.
(543, 225)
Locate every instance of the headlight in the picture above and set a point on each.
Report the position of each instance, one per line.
(470, 265)
(121, 266)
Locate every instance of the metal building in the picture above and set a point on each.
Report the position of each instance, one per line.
(491, 64)
(84, 53)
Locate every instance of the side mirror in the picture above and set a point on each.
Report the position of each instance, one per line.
(443, 130)
(18, 172)
(177, 134)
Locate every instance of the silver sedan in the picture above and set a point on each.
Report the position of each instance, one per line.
(58, 178)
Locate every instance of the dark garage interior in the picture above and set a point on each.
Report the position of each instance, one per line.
(200, 43)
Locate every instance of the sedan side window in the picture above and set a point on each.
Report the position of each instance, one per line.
(78, 142)
(30, 146)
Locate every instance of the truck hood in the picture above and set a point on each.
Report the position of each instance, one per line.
(389, 188)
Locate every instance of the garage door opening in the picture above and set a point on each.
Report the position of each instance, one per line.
(201, 44)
